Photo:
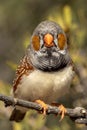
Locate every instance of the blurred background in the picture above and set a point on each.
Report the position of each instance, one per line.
(18, 18)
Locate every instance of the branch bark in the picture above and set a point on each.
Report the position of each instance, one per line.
(78, 114)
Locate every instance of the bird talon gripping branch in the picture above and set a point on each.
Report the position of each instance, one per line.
(62, 111)
(43, 105)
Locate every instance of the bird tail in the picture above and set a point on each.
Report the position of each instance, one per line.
(17, 115)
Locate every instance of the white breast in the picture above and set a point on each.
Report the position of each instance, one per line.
(47, 86)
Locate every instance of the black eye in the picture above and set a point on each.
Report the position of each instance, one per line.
(36, 43)
(61, 41)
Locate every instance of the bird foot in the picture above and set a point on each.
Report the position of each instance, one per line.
(61, 108)
(43, 105)
(62, 111)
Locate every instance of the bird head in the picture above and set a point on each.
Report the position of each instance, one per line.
(48, 49)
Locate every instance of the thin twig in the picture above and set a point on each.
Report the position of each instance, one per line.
(78, 114)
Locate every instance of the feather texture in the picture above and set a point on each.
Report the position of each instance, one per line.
(45, 72)
(23, 69)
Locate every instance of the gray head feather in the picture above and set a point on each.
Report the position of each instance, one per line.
(48, 59)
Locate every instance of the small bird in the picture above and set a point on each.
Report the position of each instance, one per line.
(46, 71)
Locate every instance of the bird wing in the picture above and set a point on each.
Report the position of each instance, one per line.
(23, 69)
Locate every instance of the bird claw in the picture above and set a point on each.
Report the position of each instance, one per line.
(61, 108)
(43, 105)
(45, 108)
(62, 111)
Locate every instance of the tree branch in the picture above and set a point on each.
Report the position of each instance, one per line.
(78, 114)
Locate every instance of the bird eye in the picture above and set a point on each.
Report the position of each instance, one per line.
(36, 43)
(61, 41)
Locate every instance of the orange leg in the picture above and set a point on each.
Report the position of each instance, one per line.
(61, 108)
(62, 111)
(44, 106)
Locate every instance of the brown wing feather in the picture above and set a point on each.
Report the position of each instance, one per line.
(23, 68)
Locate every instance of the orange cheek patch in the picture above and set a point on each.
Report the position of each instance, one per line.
(36, 43)
(61, 41)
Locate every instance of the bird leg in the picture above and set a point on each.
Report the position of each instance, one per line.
(61, 108)
(43, 105)
(62, 111)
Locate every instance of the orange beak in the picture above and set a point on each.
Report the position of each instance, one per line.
(48, 40)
